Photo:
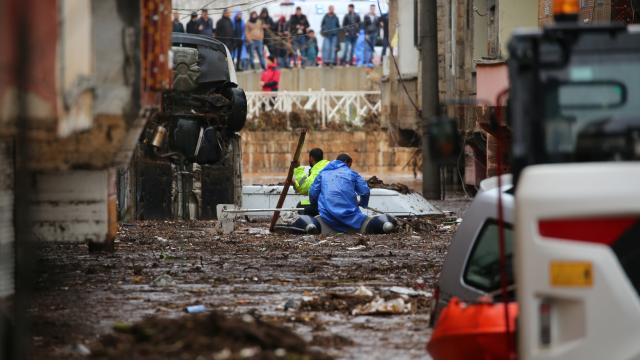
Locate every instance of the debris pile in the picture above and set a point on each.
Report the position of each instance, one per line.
(203, 336)
(308, 119)
(375, 183)
(392, 301)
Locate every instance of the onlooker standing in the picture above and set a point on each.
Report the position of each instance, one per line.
(281, 42)
(224, 29)
(298, 25)
(270, 78)
(254, 34)
(385, 33)
(351, 27)
(177, 25)
(329, 30)
(267, 25)
(372, 31)
(192, 25)
(205, 24)
(312, 49)
(238, 37)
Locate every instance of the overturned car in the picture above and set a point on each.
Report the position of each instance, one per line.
(190, 151)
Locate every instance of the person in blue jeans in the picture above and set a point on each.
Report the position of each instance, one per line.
(371, 30)
(329, 30)
(298, 25)
(254, 34)
(351, 27)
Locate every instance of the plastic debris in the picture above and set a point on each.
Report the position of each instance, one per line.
(308, 238)
(359, 247)
(381, 307)
(408, 291)
(258, 231)
(290, 304)
(249, 352)
(223, 354)
(280, 352)
(163, 280)
(161, 239)
(363, 291)
(195, 309)
(81, 349)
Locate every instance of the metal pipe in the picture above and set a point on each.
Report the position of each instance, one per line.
(428, 54)
(239, 211)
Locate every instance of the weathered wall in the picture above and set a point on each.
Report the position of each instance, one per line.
(315, 78)
(271, 151)
(6, 219)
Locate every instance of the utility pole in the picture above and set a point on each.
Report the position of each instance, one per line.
(429, 60)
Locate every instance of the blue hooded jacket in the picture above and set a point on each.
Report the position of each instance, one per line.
(334, 191)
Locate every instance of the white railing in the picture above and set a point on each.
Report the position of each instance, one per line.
(330, 106)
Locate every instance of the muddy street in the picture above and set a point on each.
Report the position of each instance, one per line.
(323, 288)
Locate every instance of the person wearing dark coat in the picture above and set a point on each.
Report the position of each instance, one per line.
(281, 44)
(329, 30)
(224, 29)
(372, 30)
(238, 39)
(351, 27)
(205, 24)
(268, 25)
(177, 25)
(385, 33)
(298, 25)
(192, 25)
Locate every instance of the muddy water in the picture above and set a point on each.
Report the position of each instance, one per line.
(80, 296)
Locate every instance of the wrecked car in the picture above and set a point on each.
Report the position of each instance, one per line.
(190, 151)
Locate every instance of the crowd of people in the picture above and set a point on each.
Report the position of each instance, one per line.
(291, 42)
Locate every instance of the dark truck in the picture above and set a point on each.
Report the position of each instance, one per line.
(189, 158)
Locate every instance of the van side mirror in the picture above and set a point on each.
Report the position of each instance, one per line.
(444, 140)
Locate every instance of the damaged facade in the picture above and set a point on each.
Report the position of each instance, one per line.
(77, 86)
(472, 54)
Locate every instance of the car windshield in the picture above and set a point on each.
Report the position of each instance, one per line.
(589, 113)
(483, 267)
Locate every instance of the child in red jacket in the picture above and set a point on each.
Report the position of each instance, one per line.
(270, 76)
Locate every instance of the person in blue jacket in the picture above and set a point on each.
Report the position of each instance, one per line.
(334, 193)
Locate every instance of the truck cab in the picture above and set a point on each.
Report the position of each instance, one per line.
(574, 110)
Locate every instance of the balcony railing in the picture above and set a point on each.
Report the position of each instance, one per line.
(329, 107)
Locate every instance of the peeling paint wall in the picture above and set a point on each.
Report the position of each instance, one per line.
(6, 219)
(71, 206)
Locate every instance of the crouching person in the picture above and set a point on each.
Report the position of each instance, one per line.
(335, 192)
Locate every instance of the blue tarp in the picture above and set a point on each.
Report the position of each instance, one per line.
(334, 191)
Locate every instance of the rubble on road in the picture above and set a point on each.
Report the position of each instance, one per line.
(316, 280)
(379, 306)
(190, 337)
(375, 183)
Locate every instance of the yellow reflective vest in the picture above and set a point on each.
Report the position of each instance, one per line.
(302, 179)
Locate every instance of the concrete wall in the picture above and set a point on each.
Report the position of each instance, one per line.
(315, 78)
(271, 151)
(514, 14)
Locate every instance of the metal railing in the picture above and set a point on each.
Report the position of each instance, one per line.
(329, 106)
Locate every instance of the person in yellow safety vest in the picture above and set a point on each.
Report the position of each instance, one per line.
(303, 177)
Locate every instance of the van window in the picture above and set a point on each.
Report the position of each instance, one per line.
(483, 266)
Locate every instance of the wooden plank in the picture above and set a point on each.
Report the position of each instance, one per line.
(287, 183)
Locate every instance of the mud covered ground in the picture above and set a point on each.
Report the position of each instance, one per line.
(267, 295)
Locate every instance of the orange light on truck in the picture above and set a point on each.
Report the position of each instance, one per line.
(565, 7)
